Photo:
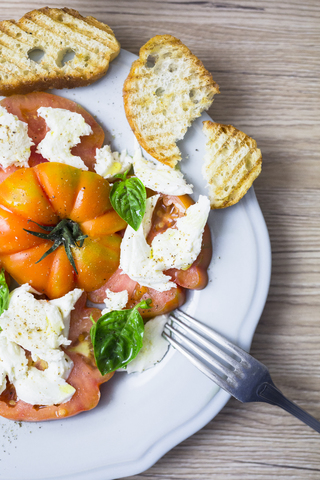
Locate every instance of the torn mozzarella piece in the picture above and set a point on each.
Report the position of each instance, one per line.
(14, 140)
(66, 128)
(13, 361)
(115, 301)
(159, 177)
(135, 254)
(46, 387)
(179, 247)
(40, 327)
(175, 248)
(66, 304)
(108, 163)
(154, 346)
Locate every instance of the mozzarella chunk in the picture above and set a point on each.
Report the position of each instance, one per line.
(37, 326)
(46, 387)
(66, 128)
(160, 177)
(115, 301)
(66, 304)
(13, 361)
(179, 247)
(135, 254)
(108, 163)
(14, 140)
(175, 248)
(154, 346)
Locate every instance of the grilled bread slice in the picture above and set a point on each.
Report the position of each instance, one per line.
(231, 164)
(167, 88)
(55, 32)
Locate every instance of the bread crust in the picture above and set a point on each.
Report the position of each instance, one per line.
(56, 32)
(161, 142)
(232, 163)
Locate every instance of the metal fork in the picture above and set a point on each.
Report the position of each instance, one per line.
(230, 367)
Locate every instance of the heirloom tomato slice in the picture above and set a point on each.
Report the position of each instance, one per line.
(35, 199)
(162, 302)
(25, 108)
(167, 210)
(84, 377)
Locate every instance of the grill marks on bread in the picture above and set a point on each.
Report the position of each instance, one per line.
(167, 88)
(56, 32)
(231, 164)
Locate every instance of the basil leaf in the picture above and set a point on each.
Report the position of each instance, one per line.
(4, 293)
(117, 338)
(128, 198)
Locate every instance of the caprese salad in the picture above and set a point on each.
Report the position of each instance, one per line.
(78, 222)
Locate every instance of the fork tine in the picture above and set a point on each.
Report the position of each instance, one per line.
(208, 358)
(212, 375)
(213, 335)
(207, 344)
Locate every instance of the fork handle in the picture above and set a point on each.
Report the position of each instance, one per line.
(269, 393)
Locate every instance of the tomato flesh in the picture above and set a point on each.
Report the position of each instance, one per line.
(162, 302)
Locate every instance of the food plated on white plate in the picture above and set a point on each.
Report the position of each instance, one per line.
(66, 231)
(82, 219)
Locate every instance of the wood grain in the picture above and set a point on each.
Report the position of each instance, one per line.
(265, 57)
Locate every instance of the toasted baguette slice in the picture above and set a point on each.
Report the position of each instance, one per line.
(55, 32)
(231, 164)
(167, 88)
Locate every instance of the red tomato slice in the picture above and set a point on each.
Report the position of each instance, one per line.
(84, 377)
(25, 108)
(162, 302)
(117, 283)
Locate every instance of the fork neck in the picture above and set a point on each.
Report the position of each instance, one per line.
(269, 393)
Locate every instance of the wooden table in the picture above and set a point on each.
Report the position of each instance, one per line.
(265, 57)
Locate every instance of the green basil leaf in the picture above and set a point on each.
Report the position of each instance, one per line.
(117, 338)
(128, 198)
(4, 293)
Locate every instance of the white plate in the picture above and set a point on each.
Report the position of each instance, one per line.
(141, 417)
